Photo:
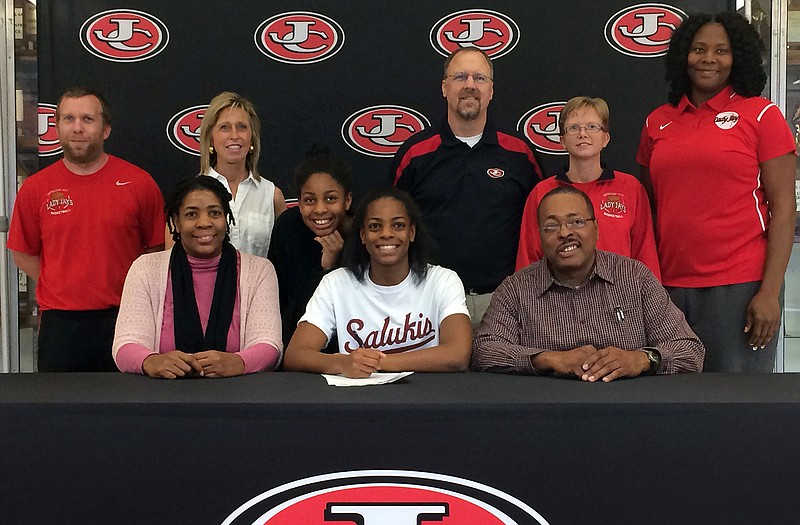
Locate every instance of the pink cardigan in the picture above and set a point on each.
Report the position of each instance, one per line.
(141, 311)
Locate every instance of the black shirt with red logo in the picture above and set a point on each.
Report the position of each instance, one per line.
(471, 198)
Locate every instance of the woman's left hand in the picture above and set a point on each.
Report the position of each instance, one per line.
(764, 310)
(220, 364)
(763, 319)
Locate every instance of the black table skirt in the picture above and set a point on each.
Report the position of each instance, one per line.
(114, 448)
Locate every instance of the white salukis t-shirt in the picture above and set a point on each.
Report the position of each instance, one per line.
(392, 319)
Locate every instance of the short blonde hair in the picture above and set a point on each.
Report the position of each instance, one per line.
(218, 104)
(576, 103)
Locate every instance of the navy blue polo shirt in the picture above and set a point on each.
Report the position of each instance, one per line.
(471, 198)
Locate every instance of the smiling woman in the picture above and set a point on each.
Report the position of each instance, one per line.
(307, 241)
(202, 309)
(392, 311)
(201, 224)
(230, 146)
(708, 75)
(719, 164)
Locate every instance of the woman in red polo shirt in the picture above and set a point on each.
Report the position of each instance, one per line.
(719, 162)
(620, 202)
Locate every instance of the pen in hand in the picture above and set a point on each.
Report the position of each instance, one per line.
(365, 359)
(358, 340)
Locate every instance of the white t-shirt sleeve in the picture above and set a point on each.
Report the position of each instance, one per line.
(450, 290)
(320, 308)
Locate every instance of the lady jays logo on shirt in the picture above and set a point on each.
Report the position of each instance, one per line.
(613, 205)
(384, 497)
(726, 119)
(59, 202)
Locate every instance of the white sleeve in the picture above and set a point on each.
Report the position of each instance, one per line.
(450, 291)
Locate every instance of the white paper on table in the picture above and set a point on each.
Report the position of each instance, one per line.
(377, 378)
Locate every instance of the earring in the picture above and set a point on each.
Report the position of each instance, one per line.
(211, 149)
(252, 148)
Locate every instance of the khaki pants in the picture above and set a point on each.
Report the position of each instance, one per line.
(477, 305)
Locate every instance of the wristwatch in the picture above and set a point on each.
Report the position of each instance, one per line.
(654, 356)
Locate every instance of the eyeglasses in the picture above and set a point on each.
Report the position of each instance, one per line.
(573, 223)
(461, 77)
(574, 129)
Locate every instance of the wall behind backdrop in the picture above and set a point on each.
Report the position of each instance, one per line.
(358, 77)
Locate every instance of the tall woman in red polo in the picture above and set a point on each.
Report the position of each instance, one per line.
(719, 162)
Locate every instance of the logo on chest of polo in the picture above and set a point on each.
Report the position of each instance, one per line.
(726, 119)
(613, 205)
(59, 202)
(412, 334)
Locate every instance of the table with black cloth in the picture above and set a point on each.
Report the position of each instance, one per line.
(116, 448)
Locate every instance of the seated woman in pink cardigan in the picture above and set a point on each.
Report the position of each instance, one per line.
(202, 309)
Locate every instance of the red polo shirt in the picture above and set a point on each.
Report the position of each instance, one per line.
(712, 211)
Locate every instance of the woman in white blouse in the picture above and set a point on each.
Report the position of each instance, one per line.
(230, 144)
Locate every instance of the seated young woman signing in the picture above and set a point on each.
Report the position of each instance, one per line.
(392, 310)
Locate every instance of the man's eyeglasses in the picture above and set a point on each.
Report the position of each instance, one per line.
(574, 129)
(461, 77)
(573, 223)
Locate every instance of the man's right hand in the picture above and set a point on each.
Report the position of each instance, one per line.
(172, 365)
(566, 363)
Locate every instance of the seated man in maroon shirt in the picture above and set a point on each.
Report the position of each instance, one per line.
(582, 312)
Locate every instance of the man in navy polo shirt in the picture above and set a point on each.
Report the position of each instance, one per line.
(470, 180)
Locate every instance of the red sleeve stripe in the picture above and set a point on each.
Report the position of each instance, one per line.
(417, 150)
(512, 143)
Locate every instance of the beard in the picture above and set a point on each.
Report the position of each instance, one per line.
(86, 155)
(469, 113)
(469, 109)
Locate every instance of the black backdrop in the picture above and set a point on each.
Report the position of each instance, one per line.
(380, 55)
